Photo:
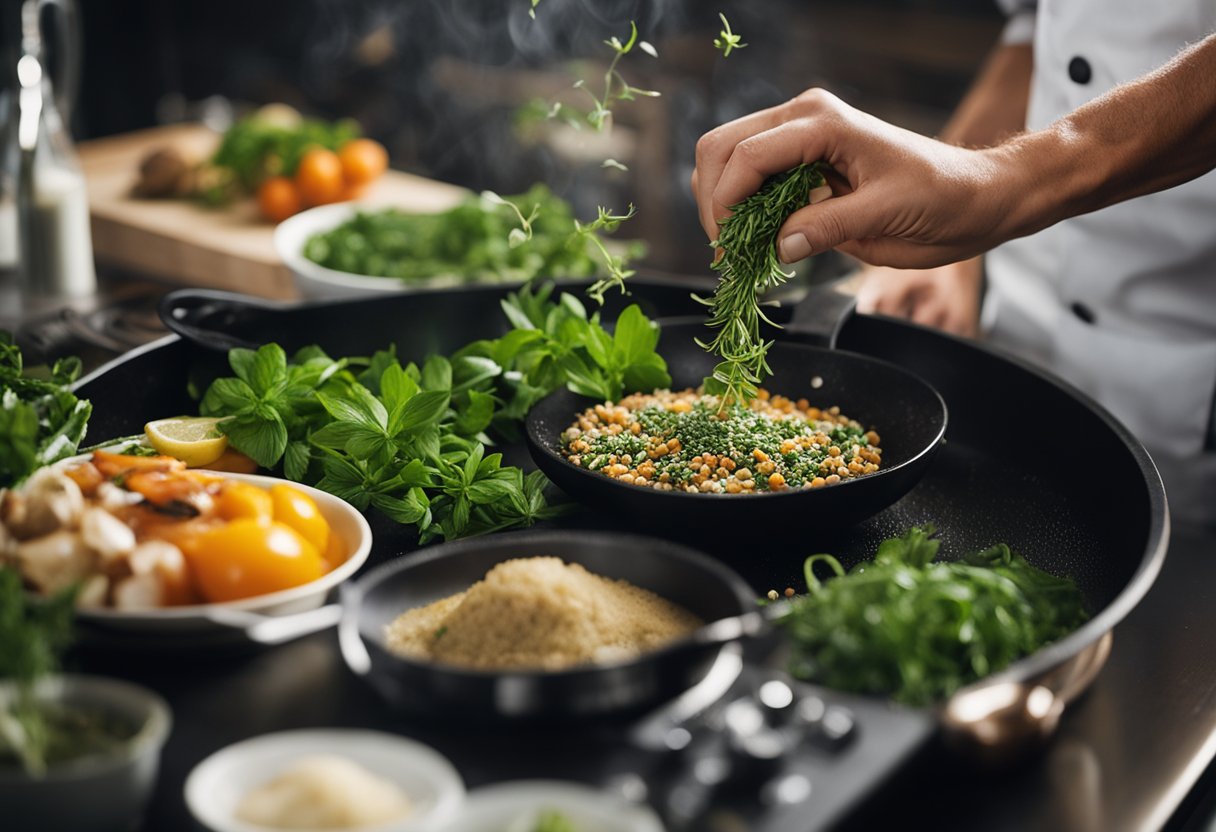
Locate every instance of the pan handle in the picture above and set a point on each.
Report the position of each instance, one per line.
(820, 315)
(199, 316)
(998, 724)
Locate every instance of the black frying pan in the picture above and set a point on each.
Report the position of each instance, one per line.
(907, 413)
(1102, 519)
(696, 582)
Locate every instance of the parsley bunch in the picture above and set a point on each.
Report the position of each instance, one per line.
(918, 629)
(413, 440)
(41, 420)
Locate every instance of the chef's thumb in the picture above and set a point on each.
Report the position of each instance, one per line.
(817, 228)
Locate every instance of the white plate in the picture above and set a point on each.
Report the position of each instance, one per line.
(217, 784)
(504, 807)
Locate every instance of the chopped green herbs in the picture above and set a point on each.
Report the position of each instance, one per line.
(688, 442)
(33, 634)
(551, 820)
(485, 238)
(748, 267)
(918, 629)
(412, 440)
(41, 420)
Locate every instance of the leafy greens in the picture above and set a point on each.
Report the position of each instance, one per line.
(413, 440)
(41, 419)
(918, 629)
(485, 238)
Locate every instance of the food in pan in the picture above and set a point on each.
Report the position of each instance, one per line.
(539, 613)
(907, 625)
(141, 532)
(484, 238)
(324, 791)
(690, 442)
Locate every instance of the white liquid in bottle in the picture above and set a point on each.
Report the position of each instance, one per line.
(61, 262)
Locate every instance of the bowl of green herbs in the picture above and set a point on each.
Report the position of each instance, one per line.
(76, 752)
(356, 249)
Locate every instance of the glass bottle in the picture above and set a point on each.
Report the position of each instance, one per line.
(55, 249)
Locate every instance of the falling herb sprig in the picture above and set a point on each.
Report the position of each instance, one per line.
(614, 264)
(727, 41)
(748, 266)
(917, 629)
(532, 11)
(616, 88)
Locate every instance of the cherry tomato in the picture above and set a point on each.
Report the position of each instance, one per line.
(233, 461)
(239, 500)
(245, 558)
(278, 198)
(294, 508)
(362, 160)
(319, 177)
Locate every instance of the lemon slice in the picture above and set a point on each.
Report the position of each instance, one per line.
(195, 440)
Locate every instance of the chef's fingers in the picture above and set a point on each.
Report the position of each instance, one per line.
(714, 151)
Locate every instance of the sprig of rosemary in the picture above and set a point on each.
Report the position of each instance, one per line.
(726, 41)
(748, 266)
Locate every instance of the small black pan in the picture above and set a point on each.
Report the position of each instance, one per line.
(704, 586)
(908, 414)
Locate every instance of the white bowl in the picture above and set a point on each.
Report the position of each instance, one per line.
(316, 281)
(106, 791)
(504, 807)
(228, 618)
(217, 784)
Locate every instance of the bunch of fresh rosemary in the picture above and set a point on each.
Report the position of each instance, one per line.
(748, 267)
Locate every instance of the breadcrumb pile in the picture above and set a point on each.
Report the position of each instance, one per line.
(539, 613)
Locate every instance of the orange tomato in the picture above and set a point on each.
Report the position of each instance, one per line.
(278, 198)
(336, 552)
(294, 508)
(245, 558)
(319, 177)
(239, 500)
(362, 160)
(234, 462)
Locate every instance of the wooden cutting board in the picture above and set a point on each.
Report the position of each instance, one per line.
(187, 244)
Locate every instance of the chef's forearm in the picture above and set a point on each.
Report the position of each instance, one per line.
(1145, 136)
(995, 106)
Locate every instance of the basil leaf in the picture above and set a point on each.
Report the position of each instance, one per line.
(295, 460)
(423, 410)
(227, 397)
(262, 440)
(476, 416)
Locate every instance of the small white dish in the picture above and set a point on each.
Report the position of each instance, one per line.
(316, 281)
(515, 805)
(216, 785)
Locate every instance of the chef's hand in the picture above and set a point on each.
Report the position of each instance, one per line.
(901, 199)
(946, 298)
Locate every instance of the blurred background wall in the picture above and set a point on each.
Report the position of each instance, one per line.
(458, 89)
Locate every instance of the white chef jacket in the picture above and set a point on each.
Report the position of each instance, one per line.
(1120, 302)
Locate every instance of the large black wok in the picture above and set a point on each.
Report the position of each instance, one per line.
(1028, 460)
